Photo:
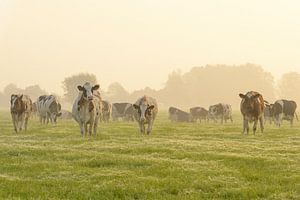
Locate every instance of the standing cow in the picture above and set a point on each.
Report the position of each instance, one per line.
(268, 115)
(20, 109)
(252, 109)
(198, 113)
(146, 111)
(284, 110)
(48, 108)
(87, 108)
(220, 111)
(122, 110)
(106, 111)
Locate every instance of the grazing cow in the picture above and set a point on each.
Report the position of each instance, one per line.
(87, 108)
(252, 109)
(146, 111)
(66, 115)
(220, 111)
(106, 111)
(122, 110)
(284, 110)
(20, 109)
(198, 113)
(49, 108)
(177, 115)
(268, 113)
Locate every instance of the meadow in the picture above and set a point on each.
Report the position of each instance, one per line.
(177, 161)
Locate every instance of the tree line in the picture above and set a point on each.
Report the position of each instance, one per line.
(202, 86)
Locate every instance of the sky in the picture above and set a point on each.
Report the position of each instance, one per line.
(139, 42)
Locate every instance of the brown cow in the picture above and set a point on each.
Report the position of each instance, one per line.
(20, 109)
(252, 109)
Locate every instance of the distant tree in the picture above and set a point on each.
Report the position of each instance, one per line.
(34, 91)
(12, 89)
(70, 84)
(289, 86)
(116, 92)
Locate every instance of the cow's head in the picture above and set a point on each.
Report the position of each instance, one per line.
(144, 109)
(249, 101)
(16, 103)
(213, 110)
(87, 90)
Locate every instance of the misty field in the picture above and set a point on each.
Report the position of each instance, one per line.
(178, 161)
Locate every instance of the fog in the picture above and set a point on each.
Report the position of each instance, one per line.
(140, 44)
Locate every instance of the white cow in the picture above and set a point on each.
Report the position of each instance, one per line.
(48, 108)
(87, 108)
(146, 111)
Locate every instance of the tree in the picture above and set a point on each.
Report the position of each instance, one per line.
(289, 86)
(70, 84)
(34, 91)
(116, 92)
(12, 89)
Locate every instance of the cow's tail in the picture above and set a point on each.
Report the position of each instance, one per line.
(296, 116)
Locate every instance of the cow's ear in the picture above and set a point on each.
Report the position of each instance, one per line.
(96, 87)
(255, 96)
(12, 96)
(151, 107)
(136, 106)
(242, 96)
(80, 88)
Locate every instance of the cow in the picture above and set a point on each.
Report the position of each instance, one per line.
(268, 115)
(48, 108)
(220, 111)
(146, 110)
(66, 115)
(198, 113)
(284, 110)
(34, 109)
(20, 109)
(87, 108)
(106, 111)
(177, 115)
(122, 110)
(252, 108)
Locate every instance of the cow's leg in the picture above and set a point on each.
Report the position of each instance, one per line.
(246, 126)
(261, 123)
(142, 127)
(255, 126)
(26, 122)
(292, 121)
(14, 123)
(231, 119)
(82, 131)
(149, 129)
(95, 127)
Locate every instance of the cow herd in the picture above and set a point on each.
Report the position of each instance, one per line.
(89, 109)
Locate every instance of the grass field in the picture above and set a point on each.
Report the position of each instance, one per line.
(178, 161)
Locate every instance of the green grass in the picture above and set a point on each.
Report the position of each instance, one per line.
(178, 161)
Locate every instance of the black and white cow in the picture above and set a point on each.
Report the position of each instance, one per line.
(198, 113)
(20, 109)
(220, 111)
(177, 115)
(145, 113)
(284, 110)
(48, 108)
(87, 108)
(125, 111)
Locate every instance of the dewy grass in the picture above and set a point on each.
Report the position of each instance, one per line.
(177, 161)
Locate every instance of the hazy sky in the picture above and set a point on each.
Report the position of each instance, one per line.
(139, 42)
